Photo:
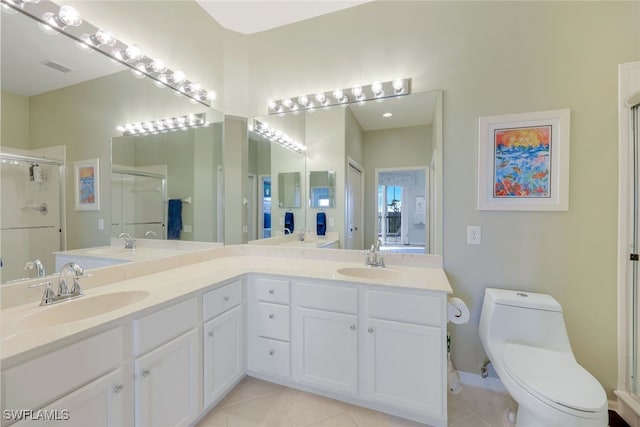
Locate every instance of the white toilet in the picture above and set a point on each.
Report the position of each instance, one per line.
(524, 335)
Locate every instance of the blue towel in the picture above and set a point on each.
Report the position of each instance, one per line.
(174, 225)
(321, 224)
(288, 221)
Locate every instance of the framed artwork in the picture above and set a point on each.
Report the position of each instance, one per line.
(87, 185)
(523, 161)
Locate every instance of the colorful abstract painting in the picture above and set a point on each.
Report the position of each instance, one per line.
(87, 179)
(522, 162)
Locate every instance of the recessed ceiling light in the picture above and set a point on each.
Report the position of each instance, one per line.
(387, 115)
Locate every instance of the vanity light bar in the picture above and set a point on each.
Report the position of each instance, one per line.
(277, 136)
(67, 20)
(162, 126)
(356, 94)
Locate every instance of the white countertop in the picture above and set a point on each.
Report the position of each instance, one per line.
(227, 263)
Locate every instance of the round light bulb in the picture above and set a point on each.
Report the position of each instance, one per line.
(338, 94)
(177, 77)
(287, 102)
(133, 52)
(158, 66)
(303, 100)
(50, 26)
(69, 15)
(104, 38)
(356, 91)
(398, 85)
(387, 115)
(212, 95)
(320, 97)
(376, 88)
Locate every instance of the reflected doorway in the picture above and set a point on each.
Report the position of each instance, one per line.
(402, 219)
(264, 189)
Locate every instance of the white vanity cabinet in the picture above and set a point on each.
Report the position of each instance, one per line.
(269, 329)
(404, 354)
(223, 341)
(48, 382)
(166, 369)
(325, 336)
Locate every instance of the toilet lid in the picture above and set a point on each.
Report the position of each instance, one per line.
(554, 376)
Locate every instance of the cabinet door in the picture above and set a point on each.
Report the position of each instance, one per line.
(404, 366)
(100, 403)
(325, 349)
(223, 354)
(165, 384)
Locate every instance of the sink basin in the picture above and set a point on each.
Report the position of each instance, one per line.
(110, 251)
(78, 309)
(371, 273)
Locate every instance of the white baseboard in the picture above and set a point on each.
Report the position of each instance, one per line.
(475, 380)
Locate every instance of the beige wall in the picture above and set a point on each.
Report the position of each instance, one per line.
(492, 58)
(15, 120)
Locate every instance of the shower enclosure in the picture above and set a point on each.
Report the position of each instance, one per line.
(31, 216)
(628, 389)
(138, 203)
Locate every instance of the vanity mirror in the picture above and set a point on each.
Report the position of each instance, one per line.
(64, 104)
(289, 190)
(322, 189)
(387, 158)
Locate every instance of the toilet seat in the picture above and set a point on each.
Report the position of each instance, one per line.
(554, 377)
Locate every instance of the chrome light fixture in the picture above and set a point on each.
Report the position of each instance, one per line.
(65, 19)
(163, 125)
(355, 94)
(277, 136)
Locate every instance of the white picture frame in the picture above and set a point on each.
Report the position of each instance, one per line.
(87, 185)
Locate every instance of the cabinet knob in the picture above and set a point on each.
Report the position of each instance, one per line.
(271, 316)
(118, 388)
(370, 330)
(353, 327)
(272, 352)
(211, 334)
(226, 299)
(145, 372)
(271, 291)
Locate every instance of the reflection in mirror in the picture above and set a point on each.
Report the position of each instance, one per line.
(267, 160)
(399, 134)
(289, 190)
(71, 116)
(322, 189)
(149, 173)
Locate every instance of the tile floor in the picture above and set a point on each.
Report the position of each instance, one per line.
(256, 403)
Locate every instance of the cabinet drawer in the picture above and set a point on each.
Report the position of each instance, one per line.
(272, 290)
(222, 299)
(39, 381)
(164, 325)
(274, 321)
(326, 297)
(420, 309)
(274, 357)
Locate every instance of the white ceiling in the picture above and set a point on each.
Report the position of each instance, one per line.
(413, 110)
(253, 16)
(24, 46)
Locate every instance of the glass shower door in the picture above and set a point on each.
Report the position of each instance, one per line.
(635, 243)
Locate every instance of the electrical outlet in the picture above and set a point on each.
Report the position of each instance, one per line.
(281, 221)
(100, 223)
(332, 223)
(187, 228)
(474, 235)
(245, 229)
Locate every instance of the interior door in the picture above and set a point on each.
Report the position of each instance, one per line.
(354, 209)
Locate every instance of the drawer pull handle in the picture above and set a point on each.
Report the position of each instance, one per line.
(272, 352)
(226, 299)
(211, 334)
(353, 327)
(145, 372)
(271, 316)
(118, 388)
(370, 330)
(271, 291)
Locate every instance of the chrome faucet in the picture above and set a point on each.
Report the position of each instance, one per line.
(151, 234)
(286, 231)
(35, 264)
(129, 242)
(301, 235)
(374, 257)
(64, 293)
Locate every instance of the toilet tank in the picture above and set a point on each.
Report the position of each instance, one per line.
(524, 318)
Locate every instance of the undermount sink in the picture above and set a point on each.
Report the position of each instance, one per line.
(370, 273)
(110, 251)
(77, 309)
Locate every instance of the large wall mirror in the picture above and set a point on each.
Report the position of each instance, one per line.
(61, 105)
(387, 160)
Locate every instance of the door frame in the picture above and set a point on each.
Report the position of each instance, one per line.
(351, 162)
